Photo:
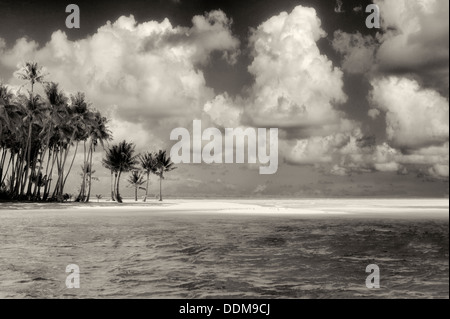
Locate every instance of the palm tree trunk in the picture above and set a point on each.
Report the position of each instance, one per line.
(59, 188)
(30, 130)
(119, 199)
(61, 178)
(13, 173)
(17, 173)
(135, 192)
(83, 180)
(7, 169)
(146, 188)
(50, 176)
(112, 187)
(2, 162)
(90, 172)
(41, 161)
(30, 182)
(71, 164)
(160, 188)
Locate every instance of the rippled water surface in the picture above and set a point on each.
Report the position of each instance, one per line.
(137, 253)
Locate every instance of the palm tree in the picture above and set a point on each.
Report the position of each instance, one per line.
(149, 165)
(164, 165)
(81, 124)
(120, 158)
(110, 162)
(35, 115)
(32, 73)
(55, 128)
(135, 180)
(87, 173)
(99, 133)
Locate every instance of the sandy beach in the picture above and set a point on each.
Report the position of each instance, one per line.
(316, 248)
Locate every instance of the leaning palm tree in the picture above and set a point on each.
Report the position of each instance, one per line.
(135, 180)
(164, 165)
(149, 164)
(120, 158)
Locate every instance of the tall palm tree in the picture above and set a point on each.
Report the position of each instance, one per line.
(81, 117)
(135, 180)
(120, 158)
(164, 165)
(58, 117)
(149, 164)
(99, 133)
(32, 73)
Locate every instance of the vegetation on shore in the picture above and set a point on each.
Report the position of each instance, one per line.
(41, 135)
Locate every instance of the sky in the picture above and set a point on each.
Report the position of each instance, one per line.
(360, 112)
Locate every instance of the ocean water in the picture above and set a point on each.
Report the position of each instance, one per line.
(262, 250)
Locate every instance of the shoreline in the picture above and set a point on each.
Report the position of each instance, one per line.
(386, 208)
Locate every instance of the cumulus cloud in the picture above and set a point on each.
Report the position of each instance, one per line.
(357, 50)
(415, 117)
(296, 87)
(317, 149)
(416, 37)
(224, 111)
(414, 41)
(439, 171)
(407, 66)
(338, 171)
(148, 72)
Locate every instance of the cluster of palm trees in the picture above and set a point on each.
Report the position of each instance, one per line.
(121, 158)
(37, 134)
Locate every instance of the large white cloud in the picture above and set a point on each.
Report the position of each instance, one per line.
(417, 123)
(148, 72)
(296, 87)
(413, 40)
(415, 117)
(416, 35)
(407, 65)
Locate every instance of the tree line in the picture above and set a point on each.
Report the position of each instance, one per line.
(41, 135)
(120, 158)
